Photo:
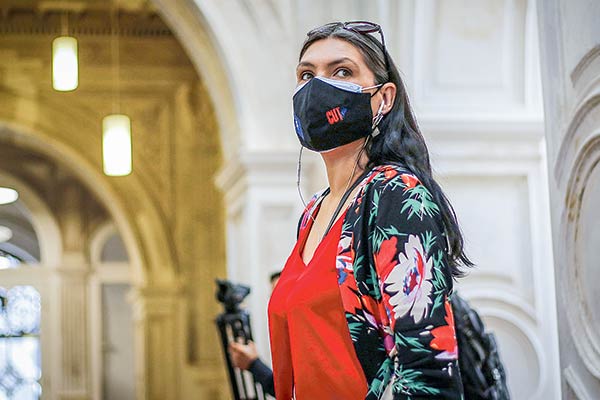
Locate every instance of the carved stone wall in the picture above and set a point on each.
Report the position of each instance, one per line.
(570, 44)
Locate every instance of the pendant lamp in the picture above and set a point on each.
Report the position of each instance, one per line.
(65, 63)
(116, 145)
(116, 127)
(8, 195)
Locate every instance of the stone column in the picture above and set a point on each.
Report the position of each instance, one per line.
(72, 294)
(73, 328)
(158, 339)
(570, 59)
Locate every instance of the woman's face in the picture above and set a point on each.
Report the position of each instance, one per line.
(337, 59)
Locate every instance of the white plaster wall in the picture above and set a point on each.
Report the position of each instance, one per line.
(472, 70)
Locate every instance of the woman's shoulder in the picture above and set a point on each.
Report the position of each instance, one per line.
(390, 176)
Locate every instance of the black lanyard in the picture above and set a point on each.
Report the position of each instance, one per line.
(343, 201)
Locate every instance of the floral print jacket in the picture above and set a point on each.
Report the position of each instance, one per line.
(395, 284)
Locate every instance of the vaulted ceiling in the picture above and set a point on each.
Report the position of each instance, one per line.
(82, 17)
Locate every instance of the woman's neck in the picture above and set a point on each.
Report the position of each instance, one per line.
(341, 166)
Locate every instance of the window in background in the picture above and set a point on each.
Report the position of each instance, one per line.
(20, 356)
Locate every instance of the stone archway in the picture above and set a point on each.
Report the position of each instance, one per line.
(133, 228)
(44, 224)
(71, 277)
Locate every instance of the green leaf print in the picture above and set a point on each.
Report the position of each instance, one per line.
(420, 191)
(375, 207)
(414, 205)
(378, 235)
(354, 326)
(408, 382)
(373, 284)
(437, 301)
(357, 265)
(393, 231)
(347, 227)
(430, 208)
(383, 377)
(428, 240)
(395, 183)
(420, 202)
(412, 343)
(438, 280)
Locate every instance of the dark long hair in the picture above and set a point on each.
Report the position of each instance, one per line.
(400, 140)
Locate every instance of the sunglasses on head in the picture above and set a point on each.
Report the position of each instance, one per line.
(361, 27)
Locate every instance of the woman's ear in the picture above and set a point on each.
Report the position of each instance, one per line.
(388, 93)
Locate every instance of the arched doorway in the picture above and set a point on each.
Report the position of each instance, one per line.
(30, 250)
(168, 213)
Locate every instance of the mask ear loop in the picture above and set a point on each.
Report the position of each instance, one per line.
(377, 119)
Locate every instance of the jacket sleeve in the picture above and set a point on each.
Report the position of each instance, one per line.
(263, 375)
(412, 282)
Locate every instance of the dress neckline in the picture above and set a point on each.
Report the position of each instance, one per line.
(313, 211)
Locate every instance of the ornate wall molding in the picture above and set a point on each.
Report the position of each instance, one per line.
(577, 387)
(583, 329)
(585, 63)
(577, 135)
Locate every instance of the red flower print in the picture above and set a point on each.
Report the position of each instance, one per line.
(384, 258)
(358, 203)
(444, 337)
(410, 181)
(409, 283)
(390, 173)
(371, 176)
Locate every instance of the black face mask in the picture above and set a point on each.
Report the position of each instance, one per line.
(330, 113)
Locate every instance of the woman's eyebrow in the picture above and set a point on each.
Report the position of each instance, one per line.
(305, 64)
(341, 61)
(330, 64)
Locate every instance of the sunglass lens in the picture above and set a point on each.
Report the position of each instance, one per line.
(363, 27)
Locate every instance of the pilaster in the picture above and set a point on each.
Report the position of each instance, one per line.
(72, 295)
(158, 333)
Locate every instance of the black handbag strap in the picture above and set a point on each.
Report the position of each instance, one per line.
(343, 201)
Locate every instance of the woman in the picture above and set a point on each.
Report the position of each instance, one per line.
(361, 309)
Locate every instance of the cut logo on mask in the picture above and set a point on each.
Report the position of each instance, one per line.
(336, 115)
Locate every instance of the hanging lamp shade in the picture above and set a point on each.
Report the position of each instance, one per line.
(8, 195)
(116, 145)
(65, 65)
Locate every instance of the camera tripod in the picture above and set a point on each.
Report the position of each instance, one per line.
(234, 325)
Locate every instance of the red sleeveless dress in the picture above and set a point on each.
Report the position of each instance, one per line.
(313, 354)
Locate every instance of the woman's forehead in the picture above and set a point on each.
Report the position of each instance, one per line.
(325, 51)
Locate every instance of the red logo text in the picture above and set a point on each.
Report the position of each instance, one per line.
(334, 115)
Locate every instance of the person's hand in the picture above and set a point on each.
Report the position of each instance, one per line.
(242, 355)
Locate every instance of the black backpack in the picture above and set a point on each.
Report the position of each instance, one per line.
(480, 366)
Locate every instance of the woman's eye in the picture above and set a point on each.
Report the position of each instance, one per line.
(343, 73)
(306, 76)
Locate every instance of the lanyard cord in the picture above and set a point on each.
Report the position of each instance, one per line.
(343, 201)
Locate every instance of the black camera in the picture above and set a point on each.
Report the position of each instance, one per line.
(231, 295)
